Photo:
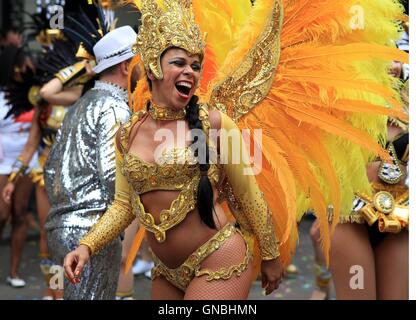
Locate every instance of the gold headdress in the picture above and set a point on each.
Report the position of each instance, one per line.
(165, 24)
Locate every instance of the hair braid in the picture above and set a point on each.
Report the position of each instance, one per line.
(205, 202)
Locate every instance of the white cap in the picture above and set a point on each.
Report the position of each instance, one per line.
(114, 48)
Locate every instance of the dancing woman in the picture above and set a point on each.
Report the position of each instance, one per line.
(176, 193)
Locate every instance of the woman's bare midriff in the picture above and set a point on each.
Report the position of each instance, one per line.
(183, 239)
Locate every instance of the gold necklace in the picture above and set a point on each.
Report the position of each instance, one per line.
(162, 113)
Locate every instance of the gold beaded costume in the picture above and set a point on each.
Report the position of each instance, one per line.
(179, 171)
(293, 69)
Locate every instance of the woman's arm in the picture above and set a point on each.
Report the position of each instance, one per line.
(252, 209)
(54, 93)
(248, 204)
(117, 217)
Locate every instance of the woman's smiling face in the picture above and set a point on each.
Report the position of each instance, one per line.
(181, 74)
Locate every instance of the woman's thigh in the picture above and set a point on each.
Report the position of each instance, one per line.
(392, 267)
(352, 263)
(4, 208)
(162, 289)
(231, 253)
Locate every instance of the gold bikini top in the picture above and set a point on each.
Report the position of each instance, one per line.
(176, 170)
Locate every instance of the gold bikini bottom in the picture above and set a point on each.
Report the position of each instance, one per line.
(181, 276)
(388, 207)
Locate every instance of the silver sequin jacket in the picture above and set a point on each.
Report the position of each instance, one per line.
(80, 169)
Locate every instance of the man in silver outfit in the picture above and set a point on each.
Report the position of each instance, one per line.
(80, 169)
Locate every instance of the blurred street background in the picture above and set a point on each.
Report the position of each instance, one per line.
(294, 287)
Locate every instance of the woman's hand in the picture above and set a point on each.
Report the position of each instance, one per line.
(89, 68)
(74, 263)
(271, 274)
(8, 193)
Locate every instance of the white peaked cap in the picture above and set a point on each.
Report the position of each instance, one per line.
(114, 48)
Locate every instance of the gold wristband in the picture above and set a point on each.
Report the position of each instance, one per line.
(68, 76)
(15, 175)
(18, 169)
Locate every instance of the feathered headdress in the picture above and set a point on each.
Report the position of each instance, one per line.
(87, 31)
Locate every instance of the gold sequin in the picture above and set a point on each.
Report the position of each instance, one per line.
(250, 83)
(116, 219)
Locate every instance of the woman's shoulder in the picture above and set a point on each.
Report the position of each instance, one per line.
(213, 115)
(219, 119)
(123, 133)
(134, 118)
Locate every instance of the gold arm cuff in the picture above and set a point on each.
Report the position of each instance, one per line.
(19, 171)
(109, 227)
(271, 257)
(89, 245)
(69, 74)
(13, 177)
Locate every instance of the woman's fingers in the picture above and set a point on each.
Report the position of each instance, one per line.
(69, 267)
(78, 269)
(272, 283)
(271, 286)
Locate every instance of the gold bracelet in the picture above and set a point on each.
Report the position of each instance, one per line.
(19, 169)
(70, 73)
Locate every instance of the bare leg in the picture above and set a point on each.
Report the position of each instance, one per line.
(43, 211)
(5, 209)
(126, 280)
(232, 252)
(322, 274)
(19, 224)
(350, 248)
(392, 265)
(162, 289)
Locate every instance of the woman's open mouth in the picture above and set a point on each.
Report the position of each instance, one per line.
(184, 89)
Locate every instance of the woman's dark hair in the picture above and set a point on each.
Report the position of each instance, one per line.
(11, 57)
(205, 196)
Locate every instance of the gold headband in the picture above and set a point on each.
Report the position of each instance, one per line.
(166, 24)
